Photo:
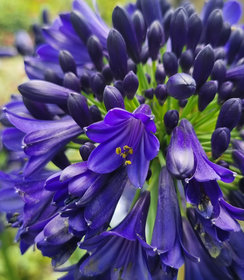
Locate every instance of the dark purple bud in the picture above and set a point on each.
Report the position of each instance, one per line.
(45, 16)
(155, 37)
(52, 77)
(214, 27)
(206, 94)
(141, 99)
(171, 119)
(61, 160)
(151, 11)
(37, 109)
(23, 43)
(72, 82)
(80, 26)
(178, 30)
(149, 93)
(194, 31)
(170, 63)
(85, 81)
(224, 34)
(107, 74)
(122, 22)
(203, 65)
(144, 54)
(189, 7)
(165, 6)
(166, 23)
(241, 185)
(148, 78)
(219, 71)
(95, 51)
(182, 103)
(130, 84)
(234, 44)
(38, 35)
(112, 98)
(219, 53)
(86, 149)
(220, 141)
(67, 62)
(97, 85)
(161, 93)
(210, 6)
(95, 113)
(186, 60)
(119, 86)
(131, 66)
(230, 113)
(139, 26)
(42, 91)
(160, 74)
(225, 91)
(117, 54)
(78, 109)
(181, 86)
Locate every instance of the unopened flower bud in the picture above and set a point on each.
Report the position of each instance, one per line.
(219, 71)
(117, 54)
(171, 119)
(131, 66)
(178, 30)
(80, 26)
(139, 26)
(170, 63)
(194, 31)
(107, 74)
(206, 94)
(234, 44)
(151, 11)
(71, 81)
(78, 109)
(155, 37)
(182, 103)
(95, 113)
(203, 65)
(67, 62)
(220, 141)
(130, 84)
(186, 60)
(23, 43)
(214, 27)
(112, 98)
(95, 51)
(166, 23)
(98, 85)
(181, 86)
(85, 81)
(161, 92)
(225, 91)
(160, 74)
(86, 149)
(119, 85)
(224, 34)
(229, 114)
(149, 93)
(141, 99)
(123, 23)
(52, 77)
(219, 53)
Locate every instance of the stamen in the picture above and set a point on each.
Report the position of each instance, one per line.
(127, 162)
(118, 150)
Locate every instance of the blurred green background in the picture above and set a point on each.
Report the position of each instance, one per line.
(16, 15)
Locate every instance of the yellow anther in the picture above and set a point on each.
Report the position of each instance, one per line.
(124, 155)
(126, 147)
(127, 162)
(130, 151)
(118, 151)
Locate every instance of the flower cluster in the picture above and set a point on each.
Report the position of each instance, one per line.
(127, 146)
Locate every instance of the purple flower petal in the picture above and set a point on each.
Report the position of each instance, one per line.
(232, 11)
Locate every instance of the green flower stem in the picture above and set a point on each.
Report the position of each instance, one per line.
(189, 108)
(161, 159)
(154, 68)
(91, 101)
(10, 272)
(83, 137)
(143, 83)
(153, 188)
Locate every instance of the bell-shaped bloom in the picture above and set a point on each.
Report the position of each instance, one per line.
(126, 138)
(167, 232)
(120, 250)
(207, 267)
(186, 157)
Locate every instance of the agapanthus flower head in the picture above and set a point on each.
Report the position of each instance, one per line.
(143, 121)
